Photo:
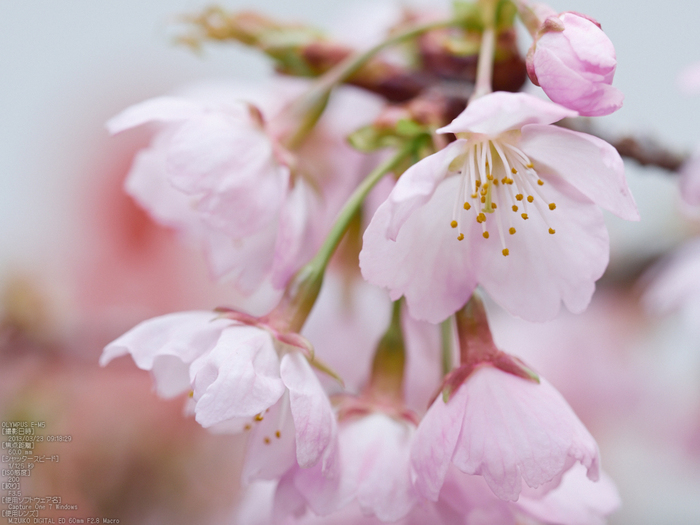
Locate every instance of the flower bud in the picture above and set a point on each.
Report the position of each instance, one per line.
(574, 63)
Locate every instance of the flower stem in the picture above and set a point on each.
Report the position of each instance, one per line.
(484, 69)
(389, 360)
(302, 291)
(446, 345)
(311, 104)
(475, 339)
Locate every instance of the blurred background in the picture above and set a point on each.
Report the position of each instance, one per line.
(80, 263)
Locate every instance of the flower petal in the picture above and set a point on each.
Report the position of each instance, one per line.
(499, 112)
(271, 450)
(434, 443)
(417, 185)
(426, 263)
(238, 378)
(314, 421)
(376, 451)
(159, 109)
(517, 429)
(576, 501)
(167, 345)
(588, 163)
(544, 270)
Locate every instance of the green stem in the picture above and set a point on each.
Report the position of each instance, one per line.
(484, 68)
(446, 344)
(389, 360)
(311, 105)
(306, 284)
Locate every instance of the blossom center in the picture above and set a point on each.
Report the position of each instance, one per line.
(499, 185)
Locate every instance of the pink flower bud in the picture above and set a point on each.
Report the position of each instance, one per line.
(574, 62)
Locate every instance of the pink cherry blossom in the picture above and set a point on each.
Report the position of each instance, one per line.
(375, 471)
(236, 373)
(217, 172)
(690, 180)
(452, 217)
(689, 79)
(574, 62)
(504, 428)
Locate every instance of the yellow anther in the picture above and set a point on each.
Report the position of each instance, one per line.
(495, 182)
(267, 440)
(278, 434)
(487, 163)
(474, 195)
(489, 176)
(504, 180)
(524, 215)
(483, 198)
(515, 208)
(191, 394)
(486, 235)
(511, 230)
(453, 224)
(540, 182)
(247, 426)
(258, 417)
(493, 205)
(519, 196)
(460, 237)
(552, 231)
(530, 166)
(481, 218)
(478, 183)
(467, 206)
(552, 206)
(513, 171)
(530, 198)
(510, 181)
(505, 252)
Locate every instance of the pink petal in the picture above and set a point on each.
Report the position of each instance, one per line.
(498, 112)
(167, 345)
(238, 378)
(588, 163)
(434, 443)
(271, 450)
(417, 185)
(544, 270)
(576, 501)
(591, 97)
(229, 165)
(160, 109)
(312, 412)
(426, 263)
(516, 429)
(376, 451)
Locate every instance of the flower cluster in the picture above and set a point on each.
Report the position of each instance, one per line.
(433, 422)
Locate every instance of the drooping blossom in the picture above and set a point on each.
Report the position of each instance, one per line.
(505, 428)
(240, 376)
(574, 62)
(218, 171)
(511, 205)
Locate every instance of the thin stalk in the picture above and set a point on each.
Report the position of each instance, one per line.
(446, 344)
(484, 71)
(313, 102)
(306, 284)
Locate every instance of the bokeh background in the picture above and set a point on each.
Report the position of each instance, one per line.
(79, 263)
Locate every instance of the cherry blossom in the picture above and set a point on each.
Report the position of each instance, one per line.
(511, 205)
(574, 62)
(505, 428)
(240, 376)
(218, 172)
